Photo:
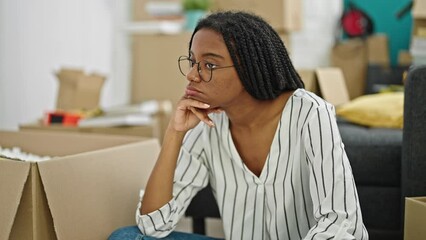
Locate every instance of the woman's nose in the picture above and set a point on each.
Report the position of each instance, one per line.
(193, 74)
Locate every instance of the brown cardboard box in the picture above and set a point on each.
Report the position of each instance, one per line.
(329, 83)
(332, 85)
(154, 130)
(137, 131)
(155, 71)
(419, 18)
(87, 190)
(378, 50)
(415, 218)
(352, 57)
(281, 14)
(78, 90)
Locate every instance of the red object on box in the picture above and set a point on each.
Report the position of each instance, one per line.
(63, 118)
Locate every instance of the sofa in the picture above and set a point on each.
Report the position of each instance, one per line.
(388, 165)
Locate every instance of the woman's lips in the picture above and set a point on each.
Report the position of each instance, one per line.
(191, 91)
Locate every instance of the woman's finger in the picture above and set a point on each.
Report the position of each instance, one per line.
(202, 115)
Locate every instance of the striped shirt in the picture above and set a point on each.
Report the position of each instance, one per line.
(306, 188)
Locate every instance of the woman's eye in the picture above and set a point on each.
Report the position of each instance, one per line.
(210, 65)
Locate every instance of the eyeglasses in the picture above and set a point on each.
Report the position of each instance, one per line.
(204, 68)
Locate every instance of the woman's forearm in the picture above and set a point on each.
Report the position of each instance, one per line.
(159, 188)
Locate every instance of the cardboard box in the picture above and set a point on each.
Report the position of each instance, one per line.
(352, 57)
(332, 85)
(155, 71)
(87, 190)
(378, 50)
(78, 90)
(415, 218)
(154, 130)
(137, 131)
(281, 14)
(327, 82)
(419, 18)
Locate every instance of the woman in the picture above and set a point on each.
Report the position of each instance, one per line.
(270, 150)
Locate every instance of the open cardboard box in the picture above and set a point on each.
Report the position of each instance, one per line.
(78, 90)
(88, 189)
(327, 82)
(415, 218)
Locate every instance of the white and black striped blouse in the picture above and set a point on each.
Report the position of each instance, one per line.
(305, 191)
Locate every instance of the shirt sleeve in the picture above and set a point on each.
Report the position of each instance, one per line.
(335, 200)
(190, 177)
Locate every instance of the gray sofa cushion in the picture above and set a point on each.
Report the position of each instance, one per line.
(374, 154)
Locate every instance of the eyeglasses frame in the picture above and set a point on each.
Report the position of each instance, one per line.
(183, 57)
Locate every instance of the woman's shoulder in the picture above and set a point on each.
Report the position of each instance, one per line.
(310, 98)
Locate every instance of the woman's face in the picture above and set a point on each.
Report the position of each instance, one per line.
(225, 87)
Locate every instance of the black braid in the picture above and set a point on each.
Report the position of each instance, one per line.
(258, 53)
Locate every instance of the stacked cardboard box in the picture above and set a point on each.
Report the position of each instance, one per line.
(86, 190)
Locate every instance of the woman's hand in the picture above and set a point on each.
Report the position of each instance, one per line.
(189, 113)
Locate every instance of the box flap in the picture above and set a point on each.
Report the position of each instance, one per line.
(419, 9)
(107, 182)
(417, 200)
(69, 75)
(13, 175)
(332, 85)
(61, 144)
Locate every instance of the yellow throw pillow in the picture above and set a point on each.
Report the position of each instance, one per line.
(375, 110)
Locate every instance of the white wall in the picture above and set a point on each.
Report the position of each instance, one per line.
(310, 47)
(39, 37)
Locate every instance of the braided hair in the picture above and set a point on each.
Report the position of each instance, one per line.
(257, 51)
